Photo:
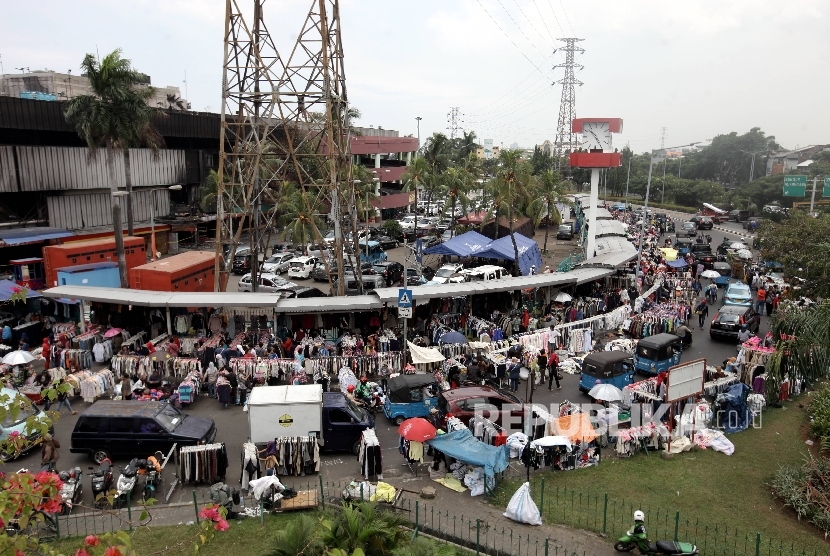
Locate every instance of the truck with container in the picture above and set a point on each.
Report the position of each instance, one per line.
(305, 410)
(191, 271)
(78, 253)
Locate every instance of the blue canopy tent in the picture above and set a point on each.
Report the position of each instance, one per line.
(465, 245)
(502, 249)
(463, 446)
(678, 263)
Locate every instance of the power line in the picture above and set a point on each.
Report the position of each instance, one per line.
(566, 139)
(508, 37)
(519, 28)
(532, 73)
(455, 122)
(543, 21)
(566, 17)
(555, 18)
(527, 18)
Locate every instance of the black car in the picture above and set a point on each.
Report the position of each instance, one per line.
(730, 318)
(705, 223)
(688, 229)
(365, 268)
(242, 261)
(702, 254)
(300, 291)
(390, 270)
(136, 429)
(565, 231)
(413, 277)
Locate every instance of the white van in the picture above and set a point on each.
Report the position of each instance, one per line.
(484, 273)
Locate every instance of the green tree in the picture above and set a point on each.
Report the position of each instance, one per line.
(302, 217)
(366, 528)
(457, 183)
(437, 151)
(418, 173)
(548, 189)
(466, 146)
(541, 161)
(116, 116)
(509, 193)
(299, 537)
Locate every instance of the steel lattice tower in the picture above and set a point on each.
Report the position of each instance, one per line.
(281, 123)
(455, 123)
(567, 141)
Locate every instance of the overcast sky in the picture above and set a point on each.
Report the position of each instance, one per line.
(698, 68)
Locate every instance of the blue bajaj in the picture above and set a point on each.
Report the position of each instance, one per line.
(657, 353)
(607, 367)
(410, 396)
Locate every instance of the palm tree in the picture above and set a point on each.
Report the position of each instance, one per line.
(302, 217)
(416, 176)
(299, 537)
(549, 190)
(456, 187)
(436, 151)
(115, 115)
(174, 101)
(509, 190)
(467, 145)
(365, 527)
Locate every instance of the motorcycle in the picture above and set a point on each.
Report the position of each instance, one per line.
(101, 482)
(630, 541)
(153, 477)
(72, 491)
(372, 403)
(127, 481)
(686, 341)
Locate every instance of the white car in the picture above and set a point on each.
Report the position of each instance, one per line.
(267, 283)
(277, 263)
(448, 273)
(301, 267)
(407, 222)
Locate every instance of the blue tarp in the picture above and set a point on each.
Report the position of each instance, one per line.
(465, 245)
(737, 417)
(7, 288)
(678, 263)
(463, 446)
(502, 249)
(17, 236)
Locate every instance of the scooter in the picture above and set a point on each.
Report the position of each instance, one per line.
(101, 482)
(126, 482)
(72, 491)
(153, 476)
(630, 541)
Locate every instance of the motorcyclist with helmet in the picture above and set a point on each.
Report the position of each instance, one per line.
(363, 391)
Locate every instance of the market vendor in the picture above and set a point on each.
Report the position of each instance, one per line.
(744, 334)
(154, 380)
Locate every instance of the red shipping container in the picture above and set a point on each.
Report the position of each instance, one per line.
(191, 271)
(87, 252)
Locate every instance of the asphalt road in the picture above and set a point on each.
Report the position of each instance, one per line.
(233, 425)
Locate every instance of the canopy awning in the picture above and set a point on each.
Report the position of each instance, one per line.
(463, 446)
(421, 355)
(502, 249)
(9, 288)
(465, 245)
(395, 200)
(19, 236)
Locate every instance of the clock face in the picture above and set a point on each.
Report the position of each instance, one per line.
(596, 135)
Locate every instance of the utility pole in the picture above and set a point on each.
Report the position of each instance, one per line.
(405, 346)
(628, 181)
(663, 194)
(418, 121)
(813, 196)
(566, 140)
(455, 123)
(663, 137)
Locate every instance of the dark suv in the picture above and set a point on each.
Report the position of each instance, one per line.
(390, 270)
(463, 402)
(136, 429)
(705, 223)
(702, 253)
(242, 261)
(730, 318)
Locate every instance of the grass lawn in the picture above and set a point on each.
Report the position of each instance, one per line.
(710, 489)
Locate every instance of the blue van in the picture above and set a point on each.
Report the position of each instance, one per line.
(607, 367)
(657, 353)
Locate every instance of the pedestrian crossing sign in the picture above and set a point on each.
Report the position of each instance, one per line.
(404, 298)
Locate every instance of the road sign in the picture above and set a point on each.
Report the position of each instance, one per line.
(795, 186)
(405, 312)
(404, 299)
(419, 251)
(827, 186)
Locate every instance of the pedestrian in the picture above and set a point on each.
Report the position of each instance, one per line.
(553, 369)
(63, 397)
(514, 373)
(696, 285)
(760, 299)
(49, 454)
(126, 388)
(712, 293)
(702, 311)
(775, 301)
(542, 363)
(770, 297)
(210, 377)
(744, 334)
(384, 377)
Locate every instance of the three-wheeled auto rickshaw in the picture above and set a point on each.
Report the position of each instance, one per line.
(410, 396)
(607, 367)
(683, 245)
(725, 271)
(371, 252)
(657, 353)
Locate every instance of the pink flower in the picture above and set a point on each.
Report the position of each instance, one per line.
(210, 512)
(92, 540)
(52, 506)
(81, 551)
(18, 552)
(221, 525)
(112, 551)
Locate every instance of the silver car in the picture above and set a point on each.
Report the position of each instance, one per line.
(270, 283)
(277, 263)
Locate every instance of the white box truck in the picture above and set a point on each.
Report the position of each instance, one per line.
(305, 410)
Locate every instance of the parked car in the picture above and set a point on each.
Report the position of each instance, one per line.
(135, 429)
(296, 291)
(729, 320)
(390, 270)
(413, 278)
(688, 229)
(241, 261)
(738, 293)
(705, 223)
(565, 231)
(301, 267)
(448, 272)
(18, 423)
(277, 263)
(738, 215)
(328, 239)
(386, 241)
(503, 406)
(444, 224)
(447, 235)
(267, 283)
(320, 274)
(365, 268)
(370, 282)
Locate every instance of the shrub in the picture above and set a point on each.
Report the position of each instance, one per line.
(805, 489)
(820, 414)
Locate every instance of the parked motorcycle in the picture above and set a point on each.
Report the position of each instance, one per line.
(72, 491)
(153, 477)
(127, 481)
(630, 541)
(101, 482)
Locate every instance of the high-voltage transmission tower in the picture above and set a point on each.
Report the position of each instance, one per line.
(567, 141)
(284, 130)
(455, 121)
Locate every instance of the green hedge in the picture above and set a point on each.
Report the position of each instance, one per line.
(666, 206)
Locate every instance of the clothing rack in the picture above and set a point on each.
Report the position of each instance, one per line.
(82, 356)
(203, 464)
(369, 455)
(293, 455)
(97, 385)
(184, 366)
(131, 365)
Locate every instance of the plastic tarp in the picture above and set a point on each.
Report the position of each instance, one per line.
(734, 402)
(7, 289)
(463, 446)
(422, 355)
(679, 263)
(465, 245)
(502, 249)
(19, 236)
(576, 428)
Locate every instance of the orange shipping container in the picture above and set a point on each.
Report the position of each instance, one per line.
(191, 271)
(87, 252)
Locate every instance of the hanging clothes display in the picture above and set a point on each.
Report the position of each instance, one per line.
(293, 455)
(97, 385)
(369, 455)
(203, 464)
(250, 464)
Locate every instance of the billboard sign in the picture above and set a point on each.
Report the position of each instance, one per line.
(487, 144)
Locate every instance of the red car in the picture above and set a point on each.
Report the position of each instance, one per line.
(497, 405)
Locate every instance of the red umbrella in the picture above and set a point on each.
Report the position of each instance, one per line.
(417, 428)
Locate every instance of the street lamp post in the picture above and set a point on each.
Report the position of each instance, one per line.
(418, 120)
(152, 215)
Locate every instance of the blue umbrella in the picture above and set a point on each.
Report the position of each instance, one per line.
(679, 263)
(453, 338)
